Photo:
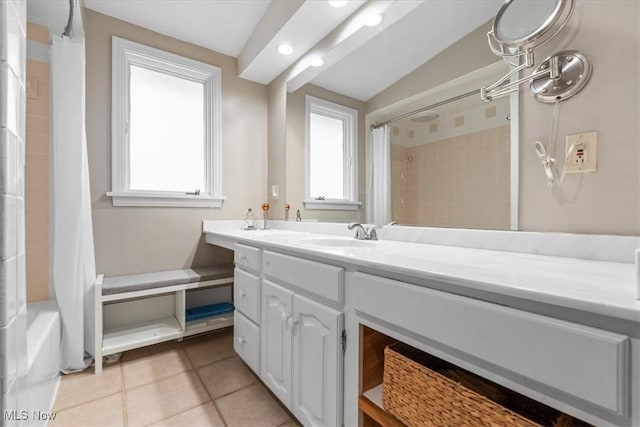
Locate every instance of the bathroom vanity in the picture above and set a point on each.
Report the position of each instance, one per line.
(288, 323)
(546, 323)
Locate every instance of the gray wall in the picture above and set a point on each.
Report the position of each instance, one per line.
(142, 239)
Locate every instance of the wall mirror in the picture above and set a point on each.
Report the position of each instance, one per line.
(454, 166)
(603, 202)
(453, 160)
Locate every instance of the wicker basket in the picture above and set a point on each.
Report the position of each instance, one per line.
(420, 396)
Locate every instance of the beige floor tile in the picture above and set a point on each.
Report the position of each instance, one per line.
(251, 407)
(201, 416)
(84, 387)
(210, 348)
(150, 350)
(150, 367)
(226, 376)
(103, 412)
(165, 398)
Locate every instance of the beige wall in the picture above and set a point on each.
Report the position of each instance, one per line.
(295, 153)
(464, 56)
(607, 201)
(276, 160)
(130, 239)
(37, 171)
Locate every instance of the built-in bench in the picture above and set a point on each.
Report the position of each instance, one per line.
(142, 309)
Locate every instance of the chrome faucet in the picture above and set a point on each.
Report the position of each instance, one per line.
(363, 233)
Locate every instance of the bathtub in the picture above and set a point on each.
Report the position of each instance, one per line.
(43, 352)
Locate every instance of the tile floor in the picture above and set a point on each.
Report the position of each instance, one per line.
(199, 382)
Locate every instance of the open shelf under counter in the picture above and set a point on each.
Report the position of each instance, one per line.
(370, 403)
(139, 335)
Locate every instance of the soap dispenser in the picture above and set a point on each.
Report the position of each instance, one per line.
(249, 221)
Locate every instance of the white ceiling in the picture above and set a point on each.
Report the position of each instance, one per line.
(54, 14)
(220, 25)
(408, 43)
(359, 61)
(312, 21)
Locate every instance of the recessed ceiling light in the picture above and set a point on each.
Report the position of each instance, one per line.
(316, 62)
(285, 49)
(338, 3)
(374, 20)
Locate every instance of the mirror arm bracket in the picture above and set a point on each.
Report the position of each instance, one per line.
(500, 89)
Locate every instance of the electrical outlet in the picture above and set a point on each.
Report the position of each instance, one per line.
(583, 155)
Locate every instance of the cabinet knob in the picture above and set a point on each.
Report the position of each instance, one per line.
(243, 256)
(241, 340)
(242, 294)
(291, 321)
(284, 316)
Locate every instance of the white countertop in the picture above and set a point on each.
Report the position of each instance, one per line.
(600, 287)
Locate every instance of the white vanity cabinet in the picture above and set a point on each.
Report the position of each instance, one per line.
(302, 355)
(276, 340)
(246, 298)
(581, 369)
(558, 329)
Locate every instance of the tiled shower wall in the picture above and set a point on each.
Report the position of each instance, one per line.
(13, 344)
(37, 166)
(462, 182)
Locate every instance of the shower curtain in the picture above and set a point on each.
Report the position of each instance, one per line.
(379, 177)
(74, 270)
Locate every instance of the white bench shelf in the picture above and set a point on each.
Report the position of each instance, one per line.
(145, 309)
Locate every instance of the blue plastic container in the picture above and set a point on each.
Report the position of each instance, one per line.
(197, 313)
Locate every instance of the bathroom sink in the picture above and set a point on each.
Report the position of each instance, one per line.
(337, 242)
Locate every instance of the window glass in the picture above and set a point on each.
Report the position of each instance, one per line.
(326, 157)
(166, 141)
(166, 128)
(331, 173)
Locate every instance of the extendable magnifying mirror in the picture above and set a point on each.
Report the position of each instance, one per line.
(520, 27)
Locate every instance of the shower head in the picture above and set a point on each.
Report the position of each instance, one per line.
(425, 116)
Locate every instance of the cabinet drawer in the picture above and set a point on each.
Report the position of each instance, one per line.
(584, 362)
(246, 341)
(246, 294)
(247, 257)
(320, 279)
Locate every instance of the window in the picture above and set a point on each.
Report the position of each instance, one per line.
(331, 156)
(166, 148)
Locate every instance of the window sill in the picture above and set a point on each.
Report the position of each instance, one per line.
(332, 204)
(166, 200)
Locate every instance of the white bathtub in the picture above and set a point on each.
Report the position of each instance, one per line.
(43, 350)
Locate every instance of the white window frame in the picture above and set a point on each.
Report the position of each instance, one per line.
(126, 53)
(350, 166)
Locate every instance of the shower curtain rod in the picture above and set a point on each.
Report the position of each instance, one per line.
(420, 110)
(67, 29)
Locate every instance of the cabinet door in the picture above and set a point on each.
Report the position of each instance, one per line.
(246, 294)
(317, 363)
(275, 332)
(246, 341)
